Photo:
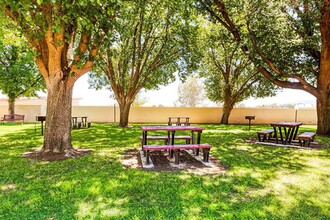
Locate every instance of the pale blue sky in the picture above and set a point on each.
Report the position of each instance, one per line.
(166, 96)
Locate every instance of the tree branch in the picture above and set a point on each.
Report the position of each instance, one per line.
(230, 26)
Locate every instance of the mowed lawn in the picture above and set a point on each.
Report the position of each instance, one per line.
(261, 182)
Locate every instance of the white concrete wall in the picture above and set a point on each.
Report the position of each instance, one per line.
(161, 114)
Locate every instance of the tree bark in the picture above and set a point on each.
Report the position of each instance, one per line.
(124, 108)
(225, 115)
(58, 119)
(226, 110)
(11, 105)
(323, 79)
(59, 66)
(323, 113)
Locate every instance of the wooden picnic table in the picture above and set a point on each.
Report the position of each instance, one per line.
(171, 132)
(178, 120)
(287, 131)
(171, 136)
(82, 123)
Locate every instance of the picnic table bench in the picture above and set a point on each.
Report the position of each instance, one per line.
(166, 139)
(13, 118)
(265, 134)
(306, 138)
(176, 149)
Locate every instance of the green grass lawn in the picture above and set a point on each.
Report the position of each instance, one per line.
(261, 182)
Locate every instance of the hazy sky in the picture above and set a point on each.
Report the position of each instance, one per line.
(166, 96)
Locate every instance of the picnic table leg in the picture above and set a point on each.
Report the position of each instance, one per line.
(83, 122)
(169, 138)
(144, 141)
(275, 134)
(144, 137)
(73, 123)
(148, 157)
(287, 133)
(193, 139)
(198, 141)
(177, 156)
(172, 143)
(281, 134)
(291, 133)
(259, 138)
(295, 133)
(206, 153)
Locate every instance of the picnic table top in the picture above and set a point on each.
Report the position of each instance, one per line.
(286, 124)
(171, 128)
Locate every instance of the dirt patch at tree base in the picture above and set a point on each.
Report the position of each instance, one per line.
(48, 156)
(161, 161)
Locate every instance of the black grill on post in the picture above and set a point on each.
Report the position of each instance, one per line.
(41, 119)
(250, 117)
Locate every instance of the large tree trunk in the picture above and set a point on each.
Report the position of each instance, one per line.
(226, 110)
(225, 115)
(58, 118)
(323, 115)
(124, 108)
(227, 103)
(323, 79)
(11, 105)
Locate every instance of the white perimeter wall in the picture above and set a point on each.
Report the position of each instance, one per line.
(161, 114)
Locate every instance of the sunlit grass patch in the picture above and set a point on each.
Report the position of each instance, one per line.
(261, 182)
(8, 187)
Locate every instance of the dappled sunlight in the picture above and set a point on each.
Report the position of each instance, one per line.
(8, 187)
(232, 131)
(66, 186)
(259, 181)
(245, 147)
(193, 211)
(104, 152)
(101, 208)
(291, 188)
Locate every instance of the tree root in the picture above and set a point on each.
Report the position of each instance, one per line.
(55, 156)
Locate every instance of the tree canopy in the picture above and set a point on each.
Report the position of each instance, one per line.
(19, 75)
(150, 41)
(65, 38)
(288, 41)
(230, 76)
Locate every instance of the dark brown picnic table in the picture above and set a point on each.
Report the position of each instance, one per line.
(79, 122)
(171, 131)
(179, 120)
(171, 136)
(287, 131)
